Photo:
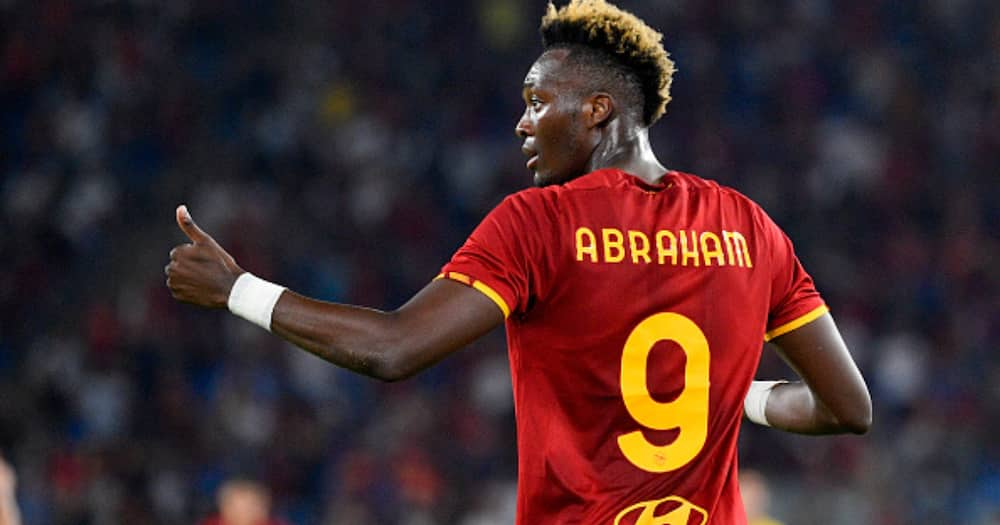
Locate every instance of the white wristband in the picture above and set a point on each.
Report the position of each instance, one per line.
(253, 299)
(755, 403)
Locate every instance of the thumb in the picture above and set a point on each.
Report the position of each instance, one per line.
(189, 228)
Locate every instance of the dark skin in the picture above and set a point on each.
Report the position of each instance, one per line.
(565, 136)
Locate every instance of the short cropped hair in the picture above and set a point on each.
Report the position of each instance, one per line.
(630, 53)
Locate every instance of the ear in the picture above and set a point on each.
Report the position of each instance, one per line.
(598, 109)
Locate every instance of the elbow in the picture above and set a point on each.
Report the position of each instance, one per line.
(859, 425)
(381, 365)
(393, 353)
(389, 371)
(385, 354)
(859, 420)
(392, 361)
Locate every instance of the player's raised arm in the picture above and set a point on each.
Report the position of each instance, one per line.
(438, 320)
(832, 398)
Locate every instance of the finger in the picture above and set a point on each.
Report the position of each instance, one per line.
(180, 250)
(189, 228)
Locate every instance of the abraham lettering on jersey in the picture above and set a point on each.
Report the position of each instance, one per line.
(674, 247)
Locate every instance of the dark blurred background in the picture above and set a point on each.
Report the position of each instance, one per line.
(346, 149)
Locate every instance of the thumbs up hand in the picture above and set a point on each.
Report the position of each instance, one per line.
(189, 228)
(200, 272)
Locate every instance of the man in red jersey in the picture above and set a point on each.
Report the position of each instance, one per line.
(635, 299)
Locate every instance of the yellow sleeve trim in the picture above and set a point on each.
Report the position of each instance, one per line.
(797, 323)
(492, 294)
(481, 286)
(460, 277)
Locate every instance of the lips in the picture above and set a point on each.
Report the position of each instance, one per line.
(532, 155)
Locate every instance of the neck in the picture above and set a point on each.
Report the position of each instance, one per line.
(627, 148)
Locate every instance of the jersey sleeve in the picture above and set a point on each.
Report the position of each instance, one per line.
(794, 299)
(497, 259)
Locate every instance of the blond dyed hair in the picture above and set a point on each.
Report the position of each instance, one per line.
(603, 27)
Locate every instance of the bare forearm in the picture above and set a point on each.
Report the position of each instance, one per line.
(833, 397)
(440, 319)
(794, 408)
(352, 337)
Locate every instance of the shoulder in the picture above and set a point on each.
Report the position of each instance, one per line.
(694, 183)
(528, 197)
(517, 217)
(732, 204)
(712, 189)
(531, 203)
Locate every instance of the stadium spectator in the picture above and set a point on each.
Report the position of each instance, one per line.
(242, 502)
(10, 514)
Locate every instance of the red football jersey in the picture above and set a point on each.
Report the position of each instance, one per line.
(635, 320)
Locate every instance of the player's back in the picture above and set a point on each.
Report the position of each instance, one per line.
(637, 314)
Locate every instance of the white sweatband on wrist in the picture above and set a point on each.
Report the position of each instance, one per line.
(253, 299)
(755, 404)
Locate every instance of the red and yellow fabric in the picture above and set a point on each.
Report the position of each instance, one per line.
(635, 320)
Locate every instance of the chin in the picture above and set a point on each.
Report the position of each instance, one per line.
(546, 179)
(542, 180)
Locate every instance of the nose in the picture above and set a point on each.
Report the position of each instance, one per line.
(523, 127)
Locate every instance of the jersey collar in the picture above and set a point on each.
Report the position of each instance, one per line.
(610, 177)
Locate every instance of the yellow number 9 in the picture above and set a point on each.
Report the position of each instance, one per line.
(689, 412)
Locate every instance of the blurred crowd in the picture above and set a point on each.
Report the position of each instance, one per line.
(345, 149)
